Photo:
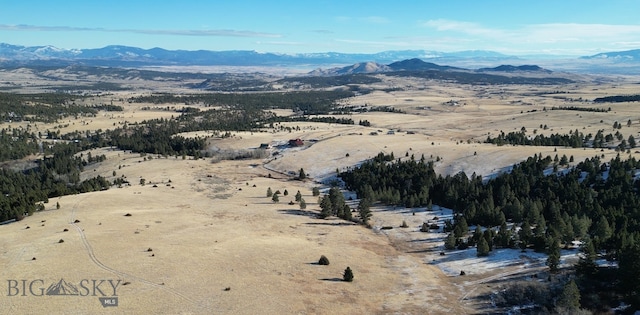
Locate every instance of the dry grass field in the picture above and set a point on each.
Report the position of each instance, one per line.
(201, 237)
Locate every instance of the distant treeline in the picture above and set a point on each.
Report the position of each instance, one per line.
(477, 78)
(44, 107)
(574, 139)
(385, 109)
(332, 81)
(307, 102)
(108, 107)
(618, 99)
(320, 119)
(581, 109)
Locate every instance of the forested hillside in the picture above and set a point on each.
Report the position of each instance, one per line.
(596, 202)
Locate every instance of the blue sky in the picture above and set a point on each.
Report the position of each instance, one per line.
(562, 27)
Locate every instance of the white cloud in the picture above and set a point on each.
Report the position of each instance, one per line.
(463, 27)
(205, 33)
(561, 37)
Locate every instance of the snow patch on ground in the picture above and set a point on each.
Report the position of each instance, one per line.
(454, 261)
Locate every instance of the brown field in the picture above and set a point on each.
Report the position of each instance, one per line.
(219, 245)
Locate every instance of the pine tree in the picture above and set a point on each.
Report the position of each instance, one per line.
(553, 260)
(525, 235)
(315, 191)
(301, 174)
(337, 201)
(450, 241)
(602, 230)
(632, 141)
(298, 196)
(364, 210)
(564, 160)
(269, 192)
(461, 227)
(488, 236)
(477, 235)
(57, 205)
(587, 258)
(325, 207)
(569, 298)
(303, 204)
(482, 248)
(503, 239)
(324, 261)
(346, 213)
(629, 268)
(348, 275)
(275, 198)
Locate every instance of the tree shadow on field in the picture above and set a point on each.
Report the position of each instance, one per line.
(332, 279)
(425, 240)
(426, 250)
(308, 213)
(331, 223)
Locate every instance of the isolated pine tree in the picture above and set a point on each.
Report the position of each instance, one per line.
(303, 204)
(348, 275)
(298, 196)
(269, 192)
(275, 198)
(323, 260)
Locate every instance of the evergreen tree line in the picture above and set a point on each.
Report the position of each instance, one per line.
(574, 139)
(617, 99)
(385, 109)
(582, 109)
(320, 119)
(332, 81)
(566, 207)
(596, 202)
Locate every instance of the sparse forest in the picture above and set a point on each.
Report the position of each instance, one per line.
(58, 173)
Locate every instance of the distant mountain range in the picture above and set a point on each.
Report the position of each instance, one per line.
(416, 64)
(627, 55)
(133, 56)
(125, 56)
